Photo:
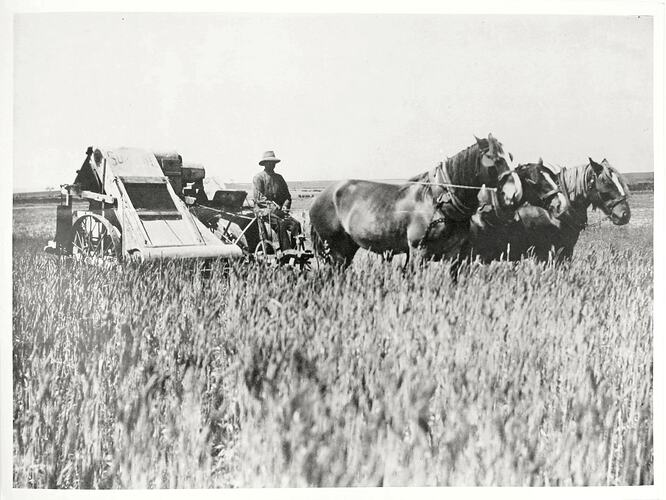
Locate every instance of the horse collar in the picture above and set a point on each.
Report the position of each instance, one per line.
(448, 199)
(586, 186)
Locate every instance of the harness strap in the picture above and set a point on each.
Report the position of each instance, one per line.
(549, 194)
(448, 202)
(615, 202)
(433, 223)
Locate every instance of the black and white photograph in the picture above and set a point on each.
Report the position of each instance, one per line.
(254, 248)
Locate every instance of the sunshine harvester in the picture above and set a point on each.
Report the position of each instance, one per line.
(133, 211)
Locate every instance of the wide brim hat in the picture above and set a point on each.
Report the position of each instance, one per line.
(269, 157)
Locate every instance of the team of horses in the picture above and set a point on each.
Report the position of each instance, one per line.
(474, 205)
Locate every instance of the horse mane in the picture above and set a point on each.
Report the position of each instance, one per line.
(422, 177)
(575, 180)
(455, 166)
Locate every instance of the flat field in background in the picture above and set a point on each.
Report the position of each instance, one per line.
(154, 376)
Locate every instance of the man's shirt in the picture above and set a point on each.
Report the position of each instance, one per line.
(271, 186)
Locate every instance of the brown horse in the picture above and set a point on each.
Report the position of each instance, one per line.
(536, 232)
(430, 213)
(491, 235)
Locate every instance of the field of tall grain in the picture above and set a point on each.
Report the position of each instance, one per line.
(155, 376)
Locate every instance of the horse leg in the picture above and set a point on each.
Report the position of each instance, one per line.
(416, 256)
(454, 270)
(317, 243)
(413, 254)
(463, 257)
(342, 249)
(344, 258)
(416, 249)
(456, 267)
(565, 255)
(407, 256)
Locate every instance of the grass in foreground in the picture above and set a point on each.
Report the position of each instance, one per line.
(155, 377)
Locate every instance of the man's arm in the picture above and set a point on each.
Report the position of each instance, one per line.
(287, 202)
(258, 184)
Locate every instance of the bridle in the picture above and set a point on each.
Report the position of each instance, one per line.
(596, 195)
(516, 181)
(547, 196)
(591, 191)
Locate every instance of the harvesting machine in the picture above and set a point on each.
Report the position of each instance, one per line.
(231, 217)
(133, 211)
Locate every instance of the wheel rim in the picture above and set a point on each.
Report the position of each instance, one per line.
(93, 238)
(264, 252)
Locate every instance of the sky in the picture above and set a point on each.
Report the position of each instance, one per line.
(381, 96)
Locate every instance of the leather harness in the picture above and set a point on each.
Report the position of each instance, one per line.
(448, 204)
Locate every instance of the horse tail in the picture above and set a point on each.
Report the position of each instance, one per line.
(323, 215)
(317, 243)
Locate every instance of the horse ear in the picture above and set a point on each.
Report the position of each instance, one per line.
(492, 145)
(598, 169)
(540, 161)
(478, 141)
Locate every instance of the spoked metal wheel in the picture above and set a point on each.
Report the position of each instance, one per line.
(264, 252)
(95, 239)
(297, 259)
(266, 249)
(305, 262)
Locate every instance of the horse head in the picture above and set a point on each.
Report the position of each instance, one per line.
(608, 191)
(498, 171)
(540, 188)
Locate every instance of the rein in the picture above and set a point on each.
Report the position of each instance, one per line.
(460, 186)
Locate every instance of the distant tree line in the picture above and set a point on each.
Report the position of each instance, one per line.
(642, 186)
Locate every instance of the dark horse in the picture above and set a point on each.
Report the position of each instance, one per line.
(536, 232)
(492, 236)
(430, 213)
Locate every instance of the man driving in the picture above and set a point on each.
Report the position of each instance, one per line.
(271, 191)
